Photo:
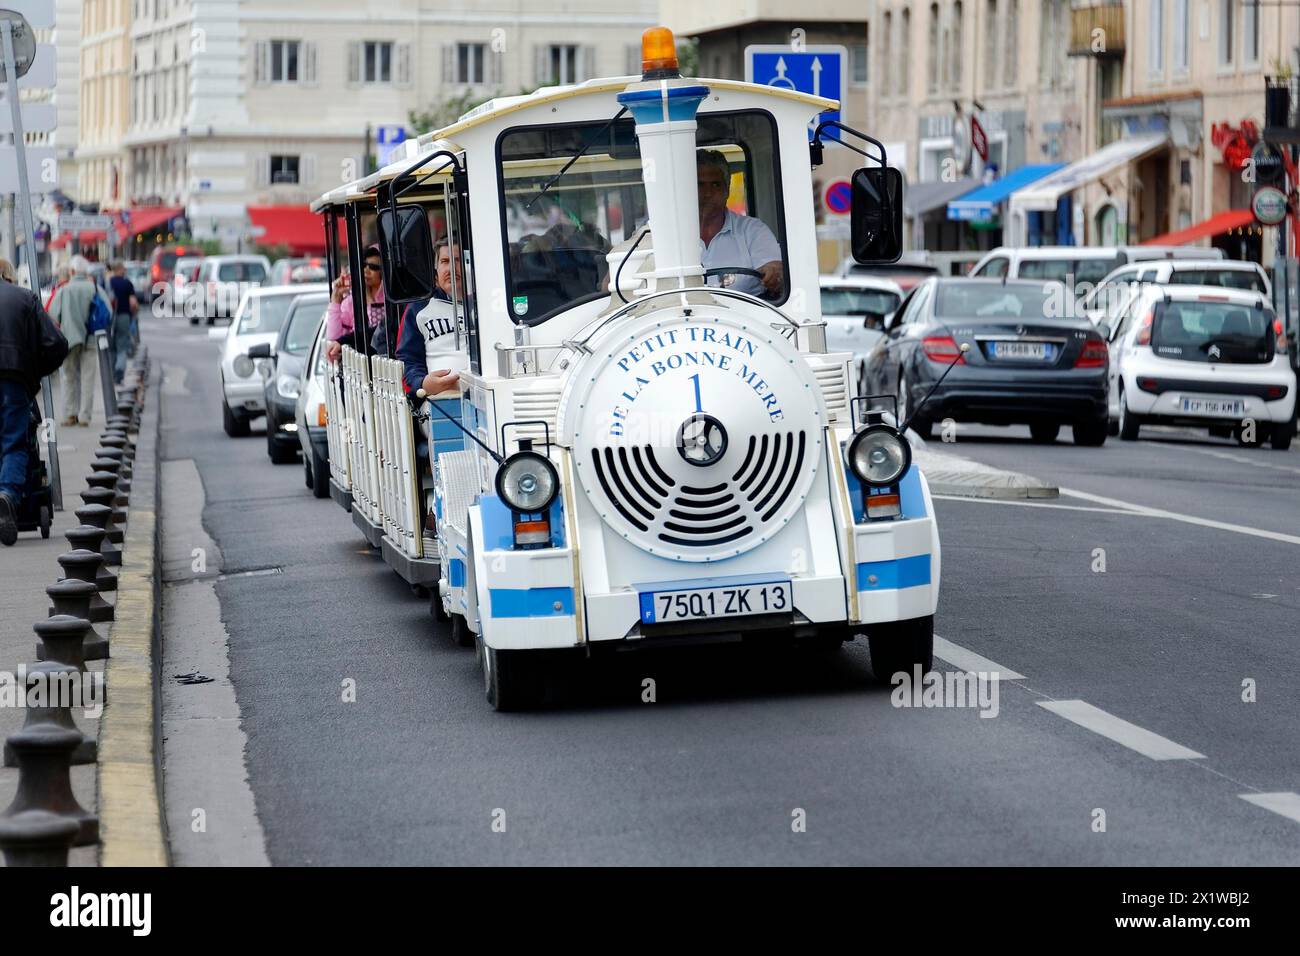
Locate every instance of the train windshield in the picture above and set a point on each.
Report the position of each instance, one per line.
(570, 193)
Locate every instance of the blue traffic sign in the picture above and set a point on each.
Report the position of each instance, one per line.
(819, 70)
(387, 139)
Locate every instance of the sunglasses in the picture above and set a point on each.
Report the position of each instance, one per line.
(377, 267)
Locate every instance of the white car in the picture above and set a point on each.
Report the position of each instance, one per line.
(855, 309)
(221, 284)
(1113, 293)
(1202, 356)
(311, 417)
(260, 315)
(1085, 263)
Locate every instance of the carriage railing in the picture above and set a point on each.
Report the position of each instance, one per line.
(376, 442)
(336, 426)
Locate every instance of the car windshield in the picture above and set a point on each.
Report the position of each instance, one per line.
(263, 313)
(561, 222)
(992, 300)
(1247, 279)
(1084, 269)
(303, 324)
(852, 301)
(1202, 331)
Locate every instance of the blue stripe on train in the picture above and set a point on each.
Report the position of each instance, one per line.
(895, 574)
(530, 602)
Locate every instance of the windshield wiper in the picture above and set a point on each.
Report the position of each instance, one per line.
(577, 156)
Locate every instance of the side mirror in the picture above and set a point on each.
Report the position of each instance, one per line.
(1104, 330)
(876, 215)
(874, 320)
(407, 247)
(260, 351)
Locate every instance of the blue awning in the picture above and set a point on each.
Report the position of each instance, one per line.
(980, 205)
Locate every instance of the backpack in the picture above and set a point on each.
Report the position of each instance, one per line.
(100, 317)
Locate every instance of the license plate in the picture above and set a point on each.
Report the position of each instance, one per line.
(702, 603)
(1023, 351)
(1219, 407)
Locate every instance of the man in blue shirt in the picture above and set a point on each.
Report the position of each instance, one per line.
(125, 305)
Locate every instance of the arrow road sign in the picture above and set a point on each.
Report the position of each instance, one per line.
(819, 70)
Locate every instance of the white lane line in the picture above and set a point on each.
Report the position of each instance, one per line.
(1144, 511)
(1256, 459)
(1036, 504)
(1285, 804)
(1121, 731)
(970, 661)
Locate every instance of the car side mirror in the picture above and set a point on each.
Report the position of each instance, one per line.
(1104, 330)
(407, 246)
(876, 214)
(260, 351)
(874, 320)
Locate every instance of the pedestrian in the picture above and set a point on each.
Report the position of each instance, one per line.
(31, 347)
(338, 316)
(71, 308)
(61, 278)
(125, 306)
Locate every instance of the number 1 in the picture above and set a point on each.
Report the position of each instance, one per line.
(699, 407)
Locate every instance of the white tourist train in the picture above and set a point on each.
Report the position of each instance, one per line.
(649, 442)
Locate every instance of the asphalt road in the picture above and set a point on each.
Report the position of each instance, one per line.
(742, 746)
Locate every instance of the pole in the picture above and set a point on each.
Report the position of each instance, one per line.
(29, 236)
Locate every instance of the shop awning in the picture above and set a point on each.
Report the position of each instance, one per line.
(1043, 195)
(927, 197)
(980, 204)
(1216, 225)
(297, 227)
(142, 220)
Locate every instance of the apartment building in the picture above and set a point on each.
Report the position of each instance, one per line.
(105, 65)
(234, 104)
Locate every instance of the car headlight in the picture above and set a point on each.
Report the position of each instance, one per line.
(243, 366)
(527, 482)
(287, 386)
(879, 455)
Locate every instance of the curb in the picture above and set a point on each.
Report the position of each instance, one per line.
(963, 478)
(132, 828)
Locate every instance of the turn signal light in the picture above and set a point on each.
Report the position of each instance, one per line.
(942, 349)
(658, 53)
(532, 533)
(322, 416)
(1094, 354)
(884, 506)
(1144, 333)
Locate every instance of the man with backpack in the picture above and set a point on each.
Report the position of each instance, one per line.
(80, 309)
(30, 348)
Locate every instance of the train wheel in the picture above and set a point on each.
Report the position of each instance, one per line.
(45, 521)
(512, 680)
(901, 646)
(461, 635)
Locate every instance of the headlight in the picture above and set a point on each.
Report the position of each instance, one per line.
(287, 386)
(527, 482)
(879, 455)
(243, 366)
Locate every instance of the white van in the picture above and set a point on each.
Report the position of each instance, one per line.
(1113, 293)
(1085, 263)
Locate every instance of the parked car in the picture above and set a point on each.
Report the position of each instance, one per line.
(222, 282)
(1202, 356)
(138, 272)
(1025, 362)
(162, 268)
(282, 373)
(911, 269)
(259, 319)
(311, 416)
(1113, 293)
(298, 269)
(1084, 263)
(855, 309)
(181, 287)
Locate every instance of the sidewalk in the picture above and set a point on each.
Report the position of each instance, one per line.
(26, 570)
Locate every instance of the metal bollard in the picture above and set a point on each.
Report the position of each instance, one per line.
(87, 537)
(43, 751)
(63, 643)
(101, 516)
(36, 838)
(110, 552)
(105, 496)
(114, 438)
(84, 566)
(64, 636)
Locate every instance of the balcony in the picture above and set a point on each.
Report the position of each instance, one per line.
(1282, 109)
(1097, 31)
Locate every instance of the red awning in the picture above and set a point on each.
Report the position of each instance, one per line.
(146, 219)
(1214, 226)
(294, 226)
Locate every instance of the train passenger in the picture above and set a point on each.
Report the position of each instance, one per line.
(338, 316)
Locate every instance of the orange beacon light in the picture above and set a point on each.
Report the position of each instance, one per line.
(658, 54)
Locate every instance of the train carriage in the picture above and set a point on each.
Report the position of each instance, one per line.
(653, 451)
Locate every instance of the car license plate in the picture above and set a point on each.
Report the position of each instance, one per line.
(1023, 351)
(701, 603)
(1218, 407)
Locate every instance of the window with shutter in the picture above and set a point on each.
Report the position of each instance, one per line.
(496, 63)
(354, 63)
(542, 65)
(632, 60)
(261, 62)
(587, 65)
(309, 64)
(308, 169)
(403, 70)
(264, 170)
(448, 63)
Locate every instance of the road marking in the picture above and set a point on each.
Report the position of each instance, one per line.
(1144, 511)
(1121, 731)
(1034, 504)
(1285, 804)
(970, 661)
(1227, 456)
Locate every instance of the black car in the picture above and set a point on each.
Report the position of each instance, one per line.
(282, 375)
(1027, 360)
